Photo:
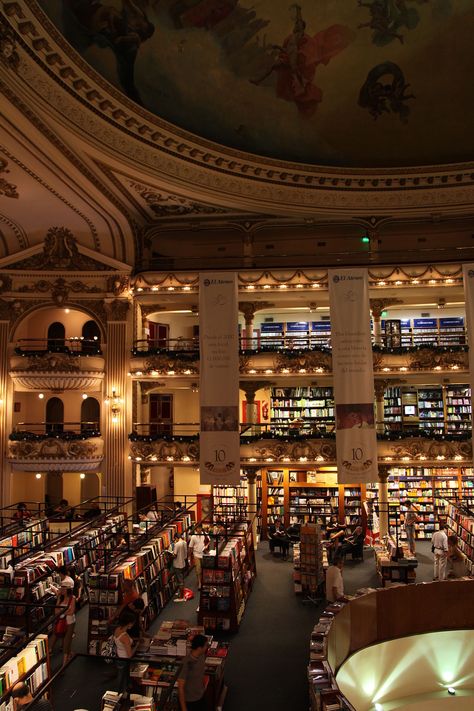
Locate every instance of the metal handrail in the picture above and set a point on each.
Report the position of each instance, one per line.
(71, 345)
(46, 427)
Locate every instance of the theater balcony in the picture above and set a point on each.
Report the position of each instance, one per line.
(40, 446)
(59, 365)
(298, 444)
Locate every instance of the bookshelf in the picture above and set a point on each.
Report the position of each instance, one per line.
(147, 568)
(313, 503)
(458, 407)
(229, 501)
(352, 505)
(275, 496)
(392, 408)
(431, 409)
(228, 572)
(31, 665)
(312, 407)
(461, 522)
(310, 560)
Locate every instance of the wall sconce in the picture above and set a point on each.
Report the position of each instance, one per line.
(114, 401)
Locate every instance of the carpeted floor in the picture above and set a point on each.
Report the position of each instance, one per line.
(266, 667)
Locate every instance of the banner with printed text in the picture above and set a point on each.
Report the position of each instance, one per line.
(219, 441)
(468, 278)
(356, 439)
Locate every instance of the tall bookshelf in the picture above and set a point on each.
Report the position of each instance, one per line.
(461, 522)
(275, 496)
(147, 568)
(458, 407)
(313, 504)
(229, 501)
(311, 407)
(431, 409)
(428, 407)
(228, 573)
(31, 665)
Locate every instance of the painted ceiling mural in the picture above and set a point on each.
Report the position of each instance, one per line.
(363, 83)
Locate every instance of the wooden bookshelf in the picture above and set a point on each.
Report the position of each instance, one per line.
(31, 664)
(460, 521)
(228, 573)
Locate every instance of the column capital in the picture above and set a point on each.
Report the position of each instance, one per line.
(250, 387)
(251, 476)
(380, 386)
(249, 308)
(378, 305)
(383, 473)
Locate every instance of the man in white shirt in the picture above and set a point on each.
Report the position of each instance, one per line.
(439, 546)
(334, 582)
(180, 554)
(198, 544)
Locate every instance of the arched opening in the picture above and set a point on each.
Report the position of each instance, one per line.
(90, 415)
(54, 415)
(56, 336)
(91, 336)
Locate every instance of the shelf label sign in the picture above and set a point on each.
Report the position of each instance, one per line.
(219, 440)
(356, 439)
(468, 278)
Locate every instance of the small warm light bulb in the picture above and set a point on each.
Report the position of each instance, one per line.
(41, 396)
(38, 476)
(67, 311)
(115, 418)
(84, 396)
(82, 476)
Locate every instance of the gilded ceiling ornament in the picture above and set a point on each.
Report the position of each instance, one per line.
(8, 54)
(52, 362)
(6, 189)
(117, 310)
(118, 284)
(60, 252)
(167, 205)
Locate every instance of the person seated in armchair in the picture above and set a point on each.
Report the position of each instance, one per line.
(354, 543)
(278, 537)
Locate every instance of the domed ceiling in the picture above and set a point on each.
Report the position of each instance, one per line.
(357, 83)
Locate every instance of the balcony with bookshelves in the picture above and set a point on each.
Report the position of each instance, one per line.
(46, 446)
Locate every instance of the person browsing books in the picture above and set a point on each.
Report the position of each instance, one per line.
(439, 547)
(21, 695)
(411, 518)
(191, 686)
(180, 554)
(334, 581)
(198, 545)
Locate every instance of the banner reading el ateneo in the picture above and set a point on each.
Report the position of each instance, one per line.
(356, 439)
(219, 440)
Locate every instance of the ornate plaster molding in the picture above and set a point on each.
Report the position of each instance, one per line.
(232, 178)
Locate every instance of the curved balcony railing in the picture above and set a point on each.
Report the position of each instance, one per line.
(75, 346)
(302, 342)
(60, 430)
(143, 431)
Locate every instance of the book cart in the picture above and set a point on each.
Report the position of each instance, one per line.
(309, 562)
(228, 572)
(146, 564)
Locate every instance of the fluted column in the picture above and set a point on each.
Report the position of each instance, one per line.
(376, 307)
(250, 388)
(117, 413)
(380, 386)
(252, 496)
(5, 409)
(383, 501)
(249, 308)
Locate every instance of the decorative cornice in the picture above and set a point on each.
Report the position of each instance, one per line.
(227, 175)
(60, 253)
(6, 189)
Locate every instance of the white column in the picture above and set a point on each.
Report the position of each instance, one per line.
(383, 502)
(252, 497)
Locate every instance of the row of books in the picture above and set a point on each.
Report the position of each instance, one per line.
(31, 659)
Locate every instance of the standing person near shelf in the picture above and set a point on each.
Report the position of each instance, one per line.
(66, 623)
(411, 519)
(129, 595)
(22, 697)
(456, 567)
(198, 545)
(180, 554)
(334, 581)
(125, 648)
(439, 547)
(191, 687)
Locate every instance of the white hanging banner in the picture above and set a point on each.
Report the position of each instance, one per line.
(352, 365)
(219, 442)
(468, 278)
